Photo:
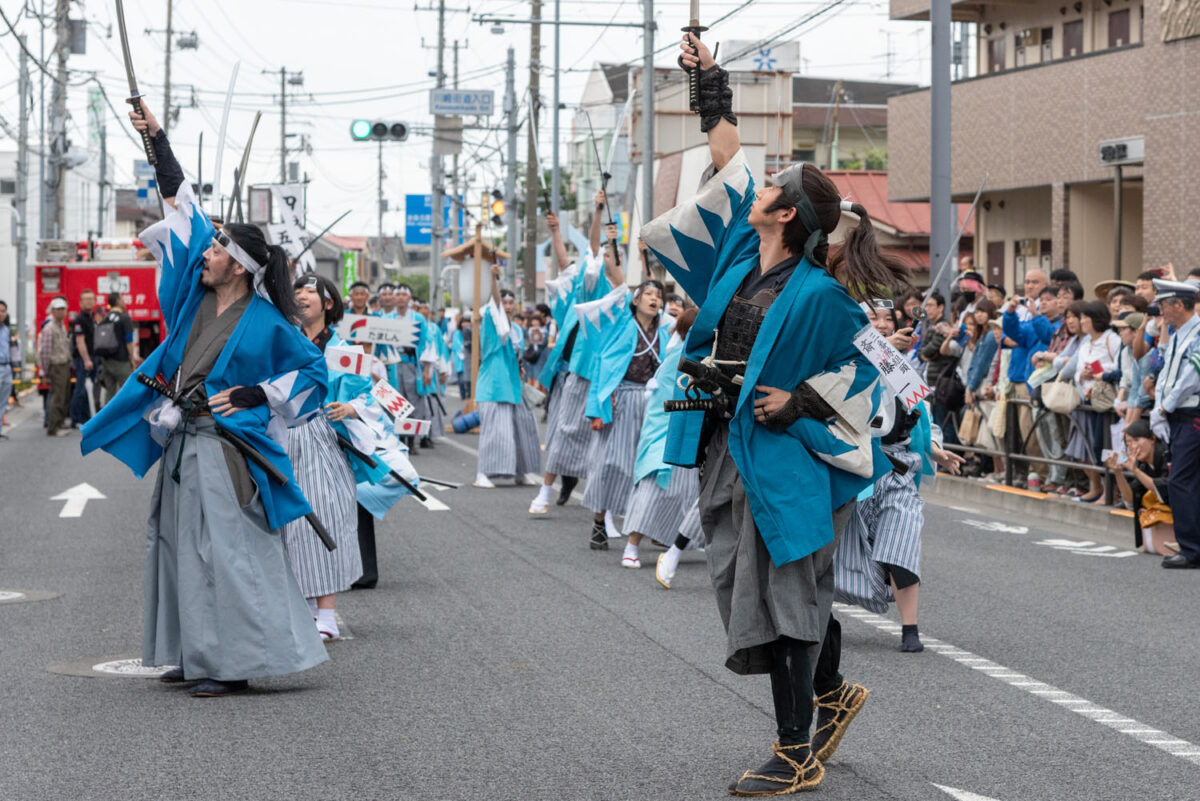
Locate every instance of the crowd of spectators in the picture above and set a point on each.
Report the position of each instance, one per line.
(1095, 385)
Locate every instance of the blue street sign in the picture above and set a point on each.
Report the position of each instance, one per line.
(418, 219)
(462, 102)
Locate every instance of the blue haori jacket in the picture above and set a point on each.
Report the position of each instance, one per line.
(499, 371)
(264, 350)
(582, 282)
(794, 479)
(612, 335)
(652, 440)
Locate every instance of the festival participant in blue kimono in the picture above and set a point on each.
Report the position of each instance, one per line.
(508, 435)
(233, 374)
(431, 381)
(627, 333)
(459, 360)
(407, 361)
(568, 371)
(785, 442)
(878, 558)
(663, 493)
(323, 469)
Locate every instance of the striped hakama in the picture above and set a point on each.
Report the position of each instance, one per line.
(614, 450)
(659, 513)
(885, 529)
(328, 483)
(508, 440)
(569, 431)
(690, 527)
(428, 408)
(220, 599)
(553, 402)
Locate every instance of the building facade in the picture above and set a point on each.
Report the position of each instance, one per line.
(1056, 82)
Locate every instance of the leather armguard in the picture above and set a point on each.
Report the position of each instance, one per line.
(248, 397)
(804, 402)
(716, 98)
(168, 172)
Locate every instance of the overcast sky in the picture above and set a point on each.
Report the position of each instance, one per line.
(364, 58)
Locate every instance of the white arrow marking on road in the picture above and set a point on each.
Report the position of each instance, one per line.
(76, 498)
(962, 795)
(992, 525)
(1086, 548)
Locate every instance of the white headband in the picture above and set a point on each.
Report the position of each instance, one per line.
(235, 250)
(847, 205)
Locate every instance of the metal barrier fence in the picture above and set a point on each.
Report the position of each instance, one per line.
(1012, 437)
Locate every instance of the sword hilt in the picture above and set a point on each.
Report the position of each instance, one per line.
(695, 29)
(136, 102)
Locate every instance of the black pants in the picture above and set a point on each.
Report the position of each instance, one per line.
(366, 547)
(794, 681)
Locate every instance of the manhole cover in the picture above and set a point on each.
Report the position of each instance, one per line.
(26, 596)
(130, 668)
(117, 666)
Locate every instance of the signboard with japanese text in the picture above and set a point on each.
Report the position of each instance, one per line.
(418, 218)
(290, 233)
(462, 102)
(400, 333)
(895, 370)
(392, 402)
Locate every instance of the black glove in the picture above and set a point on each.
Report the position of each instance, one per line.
(248, 397)
(804, 402)
(716, 98)
(168, 173)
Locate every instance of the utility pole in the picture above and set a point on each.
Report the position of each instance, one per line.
(166, 123)
(21, 201)
(941, 230)
(456, 201)
(103, 176)
(834, 127)
(529, 279)
(43, 218)
(648, 111)
(58, 149)
(510, 173)
(554, 134)
(380, 203)
(436, 178)
(285, 79)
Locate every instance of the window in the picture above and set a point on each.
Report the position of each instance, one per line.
(8, 187)
(1047, 44)
(996, 50)
(1118, 28)
(805, 154)
(1072, 38)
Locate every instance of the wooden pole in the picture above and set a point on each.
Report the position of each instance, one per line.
(476, 319)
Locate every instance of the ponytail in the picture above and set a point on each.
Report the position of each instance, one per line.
(862, 268)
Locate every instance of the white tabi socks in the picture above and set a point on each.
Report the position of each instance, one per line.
(631, 558)
(542, 501)
(483, 482)
(668, 563)
(327, 625)
(610, 526)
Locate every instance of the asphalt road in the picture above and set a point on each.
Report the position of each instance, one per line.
(500, 658)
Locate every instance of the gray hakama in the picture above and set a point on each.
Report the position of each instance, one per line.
(327, 481)
(406, 383)
(220, 597)
(614, 449)
(759, 602)
(885, 529)
(508, 440)
(428, 408)
(569, 432)
(659, 513)
(553, 404)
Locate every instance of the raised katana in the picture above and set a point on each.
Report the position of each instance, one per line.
(695, 29)
(215, 201)
(135, 97)
(533, 135)
(240, 175)
(320, 236)
(604, 176)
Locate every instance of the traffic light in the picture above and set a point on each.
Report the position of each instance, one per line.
(378, 131)
(497, 208)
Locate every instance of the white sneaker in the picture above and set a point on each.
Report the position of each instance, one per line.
(541, 503)
(610, 526)
(483, 482)
(664, 569)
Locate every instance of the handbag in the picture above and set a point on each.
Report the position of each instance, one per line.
(949, 392)
(1104, 396)
(968, 426)
(1060, 396)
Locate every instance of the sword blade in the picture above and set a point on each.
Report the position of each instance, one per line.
(216, 193)
(133, 89)
(533, 136)
(321, 235)
(616, 135)
(241, 173)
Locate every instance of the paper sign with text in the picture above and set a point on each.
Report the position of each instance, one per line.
(897, 372)
(392, 401)
(347, 359)
(400, 333)
(409, 427)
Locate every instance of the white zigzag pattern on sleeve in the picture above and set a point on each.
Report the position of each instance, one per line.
(591, 311)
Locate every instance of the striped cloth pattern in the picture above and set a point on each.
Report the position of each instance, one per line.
(508, 440)
(568, 448)
(614, 449)
(325, 478)
(690, 528)
(427, 408)
(553, 397)
(659, 513)
(883, 529)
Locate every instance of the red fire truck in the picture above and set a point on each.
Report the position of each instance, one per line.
(103, 267)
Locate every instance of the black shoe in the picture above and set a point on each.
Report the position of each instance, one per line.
(364, 585)
(1179, 562)
(173, 676)
(427, 443)
(910, 640)
(211, 688)
(599, 540)
(792, 768)
(835, 710)
(568, 486)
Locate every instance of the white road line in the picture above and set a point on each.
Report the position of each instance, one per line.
(1114, 720)
(455, 444)
(431, 503)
